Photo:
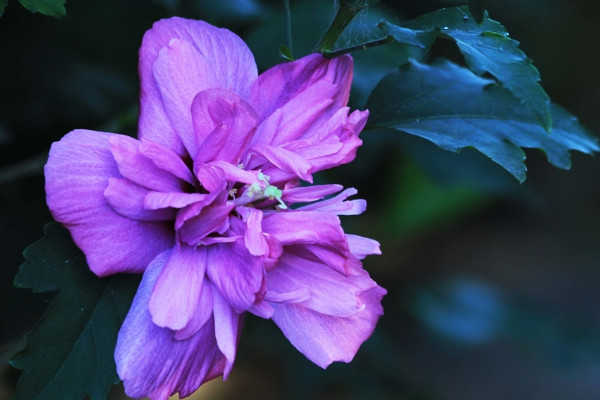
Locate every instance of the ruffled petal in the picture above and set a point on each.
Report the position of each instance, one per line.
(138, 168)
(331, 292)
(235, 273)
(159, 200)
(175, 295)
(128, 199)
(285, 160)
(336, 141)
(77, 174)
(339, 205)
(324, 339)
(211, 219)
(151, 362)
(361, 247)
(305, 194)
(227, 322)
(166, 160)
(227, 63)
(312, 235)
(204, 310)
(254, 239)
(223, 126)
(180, 73)
(282, 83)
(298, 116)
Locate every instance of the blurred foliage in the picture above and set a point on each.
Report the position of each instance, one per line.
(523, 325)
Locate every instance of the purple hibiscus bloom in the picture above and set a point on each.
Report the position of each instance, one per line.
(207, 204)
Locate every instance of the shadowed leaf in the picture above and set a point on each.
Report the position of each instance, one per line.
(53, 8)
(454, 108)
(486, 48)
(69, 353)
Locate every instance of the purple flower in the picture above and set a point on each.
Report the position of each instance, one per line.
(207, 203)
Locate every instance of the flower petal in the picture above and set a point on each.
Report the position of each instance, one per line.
(297, 117)
(324, 339)
(305, 194)
(254, 239)
(166, 160)
(204, 310)
(159, 200)
(151, 362)
(138, 168)
(180, 73)
(331, 292)
(210, 219)
(235, 273)
(227, 322)
(77, 173)
(282, 83)
(285, 160)
(228, 64)
(339, 205)
(223, 126)
(175, 295)
(361, 247)
(312, 235)
(128, 199)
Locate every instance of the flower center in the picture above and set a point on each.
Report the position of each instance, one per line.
(264, 190)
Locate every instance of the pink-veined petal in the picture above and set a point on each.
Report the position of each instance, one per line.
(175, 295)
(331, 292)
(151, 362)
(285, 160)
(305, 227)
(180, 73)
(262, 309)
(212, 219)
(228, 64)
(338, 204)
(77, 173)
(324, 339)
(223, 125)
(282, 83)
(166, 160)
(160, 200)
(227, 322)
(305, 194)
(301, 114)
(204, 310)
(138, 168)
(254, 239)
(312, 235)
(361, 247)
(235, 273)
(127, 199)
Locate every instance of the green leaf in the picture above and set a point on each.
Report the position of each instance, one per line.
(70, 351)
(285, 53)
(53, 8)
(454, 108)
(486, 48)
(3, 4)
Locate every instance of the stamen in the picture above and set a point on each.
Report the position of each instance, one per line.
(255, 191)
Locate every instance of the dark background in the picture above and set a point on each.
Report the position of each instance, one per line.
(493, 286)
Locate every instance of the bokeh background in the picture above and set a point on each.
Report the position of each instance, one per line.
(494, 287)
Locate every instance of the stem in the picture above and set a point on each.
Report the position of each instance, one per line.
(288, 24)
(363, 46)
(346, 11)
